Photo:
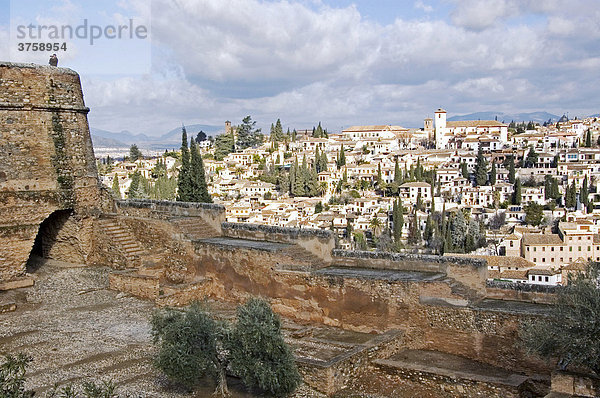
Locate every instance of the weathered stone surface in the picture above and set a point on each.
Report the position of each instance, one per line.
(46, 164)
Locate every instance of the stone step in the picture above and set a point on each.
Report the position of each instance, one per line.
(476, 378)
(118, 366)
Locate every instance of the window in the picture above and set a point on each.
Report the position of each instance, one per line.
(570, 248)
(552, 249)
(543, 249)
(539, 278)
(561, 248)
(535, 259)
(511, 243)
(534, 248)
(546, 279)
(579, 248)
(543, 259)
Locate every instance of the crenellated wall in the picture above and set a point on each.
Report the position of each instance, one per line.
(46, 164)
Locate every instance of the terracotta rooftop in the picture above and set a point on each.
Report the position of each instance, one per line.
(542, 239)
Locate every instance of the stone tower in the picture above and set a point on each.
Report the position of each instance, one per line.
(440, 127)
(49, 189)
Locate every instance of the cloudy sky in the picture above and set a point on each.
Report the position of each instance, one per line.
(341, 62)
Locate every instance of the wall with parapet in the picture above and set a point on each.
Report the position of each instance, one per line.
(46, 164)
(212, 214)
(318, 242)
(471, 273)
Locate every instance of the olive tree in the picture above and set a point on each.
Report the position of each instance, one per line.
(570, 332)
(258, 353)
(190, 346)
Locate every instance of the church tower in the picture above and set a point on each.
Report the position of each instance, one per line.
(440, 128)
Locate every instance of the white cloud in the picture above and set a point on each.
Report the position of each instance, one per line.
(306, 61)
(419, 4)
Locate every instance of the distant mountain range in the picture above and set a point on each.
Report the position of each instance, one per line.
(172, 139)
(538, 117)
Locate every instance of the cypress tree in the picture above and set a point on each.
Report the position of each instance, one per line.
(184, 182)
(428, 233)
(341, 157)
(573, 195)
(511, 169)
(464, 170)
(493, 174)
(584, 195)
(398, 218)
(480, 168)
(379, 176)
(516, 199)
(588, 139)
(397, 174)
(414, 234)
(199, 186)
(115, 187)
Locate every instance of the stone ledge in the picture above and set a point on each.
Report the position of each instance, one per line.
(17, 284)
(523, 287)
(268, 229)
(400, 257)
(152, 204)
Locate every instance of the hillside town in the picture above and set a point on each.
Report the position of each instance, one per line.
(522, 195)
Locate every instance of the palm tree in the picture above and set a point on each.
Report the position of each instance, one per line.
(323, 188)
(239, 171)
(376, 225)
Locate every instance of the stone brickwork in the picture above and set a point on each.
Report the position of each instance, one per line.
(319, 243)
(46, 164)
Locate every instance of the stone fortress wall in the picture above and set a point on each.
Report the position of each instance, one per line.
(47, 166)
(52, 205)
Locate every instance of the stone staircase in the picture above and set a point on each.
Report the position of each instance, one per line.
(124, 240)
(194, 228)
(303, 259)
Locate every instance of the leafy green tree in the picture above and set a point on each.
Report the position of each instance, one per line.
(534, 214)
(258, 353)
(247, 134)
(200, 137)
(135, 153)
(189, 342)
(481, 174)
(516, 196)
(458, 229)
(532, 158)
(224, 145)
(184, 183)
(493, 174)
(360, 241)
(116, 191)
(570, 332)
(318, 207)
